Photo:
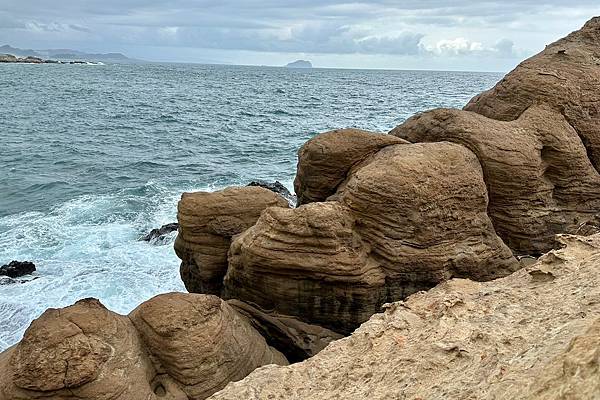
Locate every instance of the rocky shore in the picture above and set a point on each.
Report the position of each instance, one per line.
(429, 223)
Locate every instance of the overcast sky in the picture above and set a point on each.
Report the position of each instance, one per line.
(412, 34)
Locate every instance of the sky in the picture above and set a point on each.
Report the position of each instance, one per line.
(412, 34)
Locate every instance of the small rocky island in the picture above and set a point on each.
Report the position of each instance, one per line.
(428, 223)
(299, 64)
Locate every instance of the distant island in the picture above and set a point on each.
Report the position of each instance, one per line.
(299, 64)
(9, 54)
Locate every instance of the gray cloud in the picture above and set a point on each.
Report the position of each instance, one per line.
(427, 28)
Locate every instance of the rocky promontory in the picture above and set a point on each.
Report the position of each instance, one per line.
(441, 224)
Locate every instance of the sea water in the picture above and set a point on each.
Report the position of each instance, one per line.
(93, 157)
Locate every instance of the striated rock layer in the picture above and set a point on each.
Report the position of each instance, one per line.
(532, 335)
(207, 221)
(405, 219)
(565, 76)
(540, 179)
(175, 347)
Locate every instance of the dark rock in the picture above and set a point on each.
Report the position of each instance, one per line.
(14, 269)
(278, 188)
(158, 236)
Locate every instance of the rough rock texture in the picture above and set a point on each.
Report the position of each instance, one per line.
(15, 269)
(407, 218)
(324, 161)
(532, 335)
(536, 168)
(566, 76)
(80, 352)
(201, 342)
(207, 221)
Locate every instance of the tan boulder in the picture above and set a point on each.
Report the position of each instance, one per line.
(324, 161)
(531, 335)
(207, 221)
(407, 218)
(80, 352)
(565, 76)
(200, 342)
(536, 168)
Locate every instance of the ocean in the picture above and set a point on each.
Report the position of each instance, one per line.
(94, 156)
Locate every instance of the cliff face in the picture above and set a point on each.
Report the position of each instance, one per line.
(532, 335)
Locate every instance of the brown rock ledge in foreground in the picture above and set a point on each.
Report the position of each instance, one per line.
(532, 335)
(187, 347)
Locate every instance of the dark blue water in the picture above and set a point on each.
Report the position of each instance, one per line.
(94, 156)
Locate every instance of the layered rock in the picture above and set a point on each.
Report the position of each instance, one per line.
(565, 76)
(207, 221)
(536, 168)
(324, 161)
(80, 352)
(406, 218)
(200, 342)
(531, 335)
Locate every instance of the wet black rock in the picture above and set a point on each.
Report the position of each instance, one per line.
(278, 188)
(160, 235)
(14, 269)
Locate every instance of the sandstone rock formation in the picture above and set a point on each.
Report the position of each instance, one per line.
(406, 218)
(207, 221)
(536, 168)
(80, 352)
(200, 342)
(531, 335)
(185, 347)
(565, 76)
(324, 161)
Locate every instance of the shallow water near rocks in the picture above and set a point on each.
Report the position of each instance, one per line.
(93, 157)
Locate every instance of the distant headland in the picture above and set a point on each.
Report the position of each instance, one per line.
(9, 54)
(299, 64)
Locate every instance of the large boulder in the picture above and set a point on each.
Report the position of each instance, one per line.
(200, 342)
(207, 221)
(540, 179)
(532, 335)
(324, 161)
(405, 219)
(80, 352)
(565, 76)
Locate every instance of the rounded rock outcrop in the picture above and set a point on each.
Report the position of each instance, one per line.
(539, 177)
(80, 352)
(200, 342)
(207, 221)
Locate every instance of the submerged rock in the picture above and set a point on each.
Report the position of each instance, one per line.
(15, 269)
(159, 235)
(532, 335)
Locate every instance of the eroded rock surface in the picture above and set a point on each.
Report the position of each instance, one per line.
(324, 161)
(531, 335)
(407, 218)
(207, 221)
(565, 76)
(80, 352)
(200, 342)
(536, 168)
